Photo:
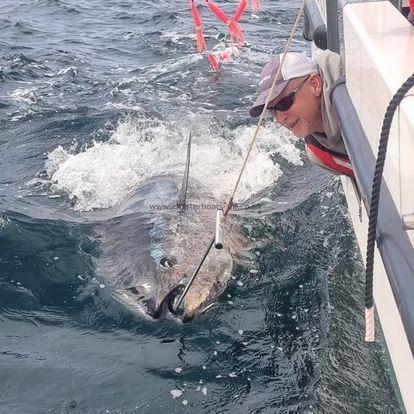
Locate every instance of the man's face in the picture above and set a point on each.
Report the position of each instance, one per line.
(304, 116)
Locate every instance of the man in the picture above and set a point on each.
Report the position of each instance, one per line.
(410, 16)
(300, 102)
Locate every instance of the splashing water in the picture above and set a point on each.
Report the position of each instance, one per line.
(106, 172)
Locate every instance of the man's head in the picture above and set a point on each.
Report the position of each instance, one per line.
(296, 97)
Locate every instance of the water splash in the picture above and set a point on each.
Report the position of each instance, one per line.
(102, 175)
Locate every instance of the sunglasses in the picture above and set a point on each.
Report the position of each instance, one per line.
(285, 103)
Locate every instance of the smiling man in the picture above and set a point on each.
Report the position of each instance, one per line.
(301, 103)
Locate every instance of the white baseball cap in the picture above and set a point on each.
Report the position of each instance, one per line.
(295, 65)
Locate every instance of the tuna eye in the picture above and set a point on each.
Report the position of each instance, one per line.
(168, 262)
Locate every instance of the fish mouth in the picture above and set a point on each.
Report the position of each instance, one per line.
(169, 305)
(179, 312)
(184, 314)
(169, 302)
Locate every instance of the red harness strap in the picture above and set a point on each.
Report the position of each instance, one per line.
(334, 162)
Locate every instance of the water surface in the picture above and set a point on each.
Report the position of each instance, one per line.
(95, 98)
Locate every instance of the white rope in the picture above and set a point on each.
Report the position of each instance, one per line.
(259, 123)
(369, 325)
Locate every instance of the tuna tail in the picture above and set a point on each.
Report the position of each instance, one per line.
(183, 192)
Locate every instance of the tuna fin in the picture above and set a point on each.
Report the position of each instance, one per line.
(183, 192)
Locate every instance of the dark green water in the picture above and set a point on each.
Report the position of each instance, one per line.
(98, 96)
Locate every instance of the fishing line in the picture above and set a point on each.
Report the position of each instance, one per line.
(259, 124)
(256, 133)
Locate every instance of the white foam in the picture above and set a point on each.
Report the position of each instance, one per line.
(176, 393)
(3, 222)
(27, 96)
(176, 37)
(102, 175)
(71, 69)
(179, 65)
(126, 107)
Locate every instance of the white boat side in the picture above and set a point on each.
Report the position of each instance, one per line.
(379, 57)
(376, 43)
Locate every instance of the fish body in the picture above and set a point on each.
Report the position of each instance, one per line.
(152, 247)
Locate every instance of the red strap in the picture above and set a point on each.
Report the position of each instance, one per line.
(240, 10)
(213, 61)
(412, 6)
(255, 5)
(332, 162)
(218, 12)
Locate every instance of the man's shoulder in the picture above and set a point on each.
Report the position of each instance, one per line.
(330, 62)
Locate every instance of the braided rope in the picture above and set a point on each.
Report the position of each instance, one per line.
(373, 211)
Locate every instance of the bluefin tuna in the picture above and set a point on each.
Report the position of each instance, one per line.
(153, 246)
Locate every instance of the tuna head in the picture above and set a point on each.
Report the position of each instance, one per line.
(209, 283)
(159, 294)
(149, 259)
(152, 254)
